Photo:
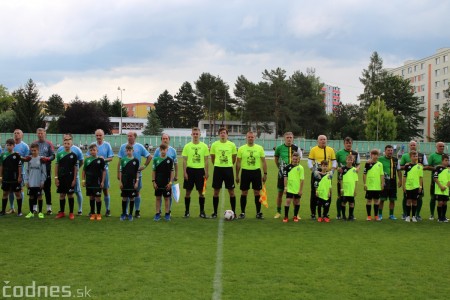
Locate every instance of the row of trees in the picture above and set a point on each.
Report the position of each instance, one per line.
(387, 109)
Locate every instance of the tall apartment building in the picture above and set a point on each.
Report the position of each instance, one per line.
(331, 97)
(429, 77)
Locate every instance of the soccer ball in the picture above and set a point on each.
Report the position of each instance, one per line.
(228, 215)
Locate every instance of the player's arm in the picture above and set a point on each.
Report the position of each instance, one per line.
(404, 182)
(172, 174)
(103, 178)
(75, 172)
(311, 163)
(276, 161)
(175, 164)
(154, 179)
(185, 174)
(264, 165)
(300, 192)
(382, 181)
(206, 167)
(233, 158)
(119, 175)
(43, 174)
(19, 169)
(421, 183)
(358, 162)
(147, 162)
(238, 169)
(213, 158)
(1, 172)
(83, 177)
(364, 181)
(56, 174)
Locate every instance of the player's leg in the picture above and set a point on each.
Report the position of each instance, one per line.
(91, 204)
(286, 207)
(106, 196)
(216, 185)
(229, 185)
(414, 204)
(98, 205)
(279, 200)
(432, 201)
(408, 210)
(123, 216)
(79, 194)
(11, 204)
(31, 205)
(313, 200)
(343, 208)
(19, 196)
(326, 209)
(4, 198)
(188, 185)
(137, 199)
(380, 207)
(339, 201)
(71, 200)
(376, 207)
(157, 205)
(48, 194)
(369, 207)
(351, 208)
(167, 208)
(296, 201)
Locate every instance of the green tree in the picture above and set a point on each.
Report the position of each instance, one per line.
(190, 108)
(84, 118)
(280, 96)
(254, 106)
(399, 97)
(6, 100)
(153, 126)
(116, 106)
(105, 105)
(28, 110)
(344, 120)
(213, 92)
(55, 105)
(306, 111)
(442, 121)
(7, 121)
(372, 79)
(380, 122)
(167, 110)
(53, 126)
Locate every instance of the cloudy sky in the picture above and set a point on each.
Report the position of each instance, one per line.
(89, 48)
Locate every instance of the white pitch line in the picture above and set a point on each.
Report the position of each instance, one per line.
(217, 284)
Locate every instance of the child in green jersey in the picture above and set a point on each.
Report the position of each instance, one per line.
(129, 181)
(373, 178)
(441, 177)
(294, 176)
(412, 185)
(347, 182)
(322, 184)
(93, 175)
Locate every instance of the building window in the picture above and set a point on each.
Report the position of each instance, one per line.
(436, 107)
(423, 87)
(437, 72)
(445, 70)
(148, 108)
(422, 99)
(438, 60)
(403, 72)
(445, 58)
(415, 68)
(437, 84)
(437, 96)
(409, 70)
(445, 83)
(421, 66)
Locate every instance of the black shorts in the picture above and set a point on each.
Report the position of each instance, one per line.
(373, 195)
(223, 174)
(280, 182)
(96, 192)
(348, 199)
(412, 194)
(441, 198)
(34, 192)
(128, 193)
(291, 195)
(65, 185)
(11, 186)
(163, 192)
(252, 177)
(195, 177)
(389, 194)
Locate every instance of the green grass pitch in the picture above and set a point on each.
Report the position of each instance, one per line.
(244, 259)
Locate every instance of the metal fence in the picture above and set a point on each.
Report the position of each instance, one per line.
(179, 141)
